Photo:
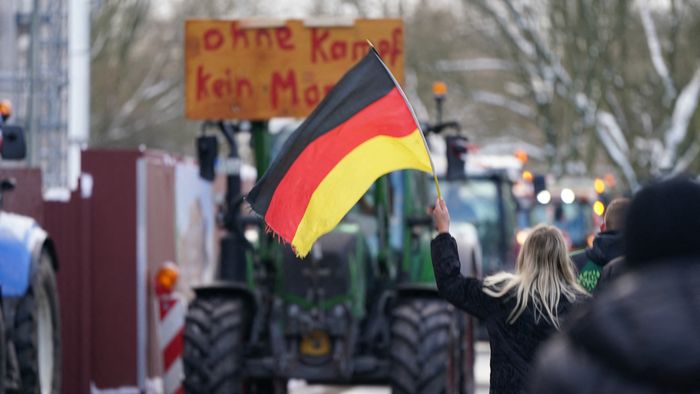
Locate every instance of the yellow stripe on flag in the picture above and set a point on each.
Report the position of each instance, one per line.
(351, 178)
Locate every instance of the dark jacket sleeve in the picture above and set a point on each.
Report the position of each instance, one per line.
(611, 271)
(580, 258)
(464, 293)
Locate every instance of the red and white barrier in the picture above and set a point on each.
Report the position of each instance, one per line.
(171, 328)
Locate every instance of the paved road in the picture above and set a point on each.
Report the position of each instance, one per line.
(481, 372)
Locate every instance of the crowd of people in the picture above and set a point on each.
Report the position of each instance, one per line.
(622, 316)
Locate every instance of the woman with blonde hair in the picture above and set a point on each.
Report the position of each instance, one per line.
(520, 309)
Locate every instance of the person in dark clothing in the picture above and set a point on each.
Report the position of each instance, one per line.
(640, 335)
(520, 310)
(607, 245)
(611, 271)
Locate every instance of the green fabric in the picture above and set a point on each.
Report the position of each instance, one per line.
(589, 275)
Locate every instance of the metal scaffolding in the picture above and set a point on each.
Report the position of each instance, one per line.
(34, 76)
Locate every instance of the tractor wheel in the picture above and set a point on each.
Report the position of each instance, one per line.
(425, 350)
(37, 335)
(214, 333)
(466, 326)
(267, 386)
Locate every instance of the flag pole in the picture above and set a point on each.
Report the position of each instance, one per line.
(415, 119)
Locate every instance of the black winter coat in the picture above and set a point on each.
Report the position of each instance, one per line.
(640, 335)
(613, 270)
(607, 246)
(512, 345)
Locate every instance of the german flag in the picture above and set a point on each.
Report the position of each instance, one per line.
(364, 128)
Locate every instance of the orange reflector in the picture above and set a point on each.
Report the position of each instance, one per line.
(521, 155)
(166, 278)
(598, 208)
(527, 176)
(439, 88)
(5, 108)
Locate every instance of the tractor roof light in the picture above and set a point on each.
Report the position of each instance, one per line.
(521, 155)
(5, 109)
(599, 208)
(439, 89)
(166, 278)
(599, 186)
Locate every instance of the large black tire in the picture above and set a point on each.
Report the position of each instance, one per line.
(267, 386)
(214, 333)
(26, 333)
(467, 356)
(425, 351)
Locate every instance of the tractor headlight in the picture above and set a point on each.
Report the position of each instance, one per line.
(252, 234)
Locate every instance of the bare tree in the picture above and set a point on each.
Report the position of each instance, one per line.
(137, 61)
(593, 67)
(134, 88)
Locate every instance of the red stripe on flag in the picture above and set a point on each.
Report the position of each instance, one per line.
(174, 349)
(387, 116)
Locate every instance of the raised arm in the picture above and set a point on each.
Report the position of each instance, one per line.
(464, 293)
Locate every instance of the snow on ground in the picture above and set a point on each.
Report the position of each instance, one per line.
(481, 373)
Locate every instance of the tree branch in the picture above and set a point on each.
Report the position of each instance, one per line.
(501, 101)
(412, 92)
(687, 159)
(548, 70)
(657, 58)
(476, 64)
(683, 110)
(609, 133)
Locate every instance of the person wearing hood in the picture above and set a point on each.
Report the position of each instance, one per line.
(607, 245)
(639, 335)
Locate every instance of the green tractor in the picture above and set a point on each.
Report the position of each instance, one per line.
(362, 307)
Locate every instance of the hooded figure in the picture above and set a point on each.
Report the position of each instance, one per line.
(641, 334)
(608, 245)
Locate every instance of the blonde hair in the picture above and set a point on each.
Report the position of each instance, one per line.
(543, 275)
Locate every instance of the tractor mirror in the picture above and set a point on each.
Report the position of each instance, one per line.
(13, 145)
(456, 157)
(207, 151)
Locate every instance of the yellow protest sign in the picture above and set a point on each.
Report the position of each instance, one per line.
(252, 69)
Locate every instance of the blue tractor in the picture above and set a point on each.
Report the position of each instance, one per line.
(30, 338)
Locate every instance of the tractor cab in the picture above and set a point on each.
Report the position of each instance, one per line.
(569, 203)
(478, 191)
(30, 356)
